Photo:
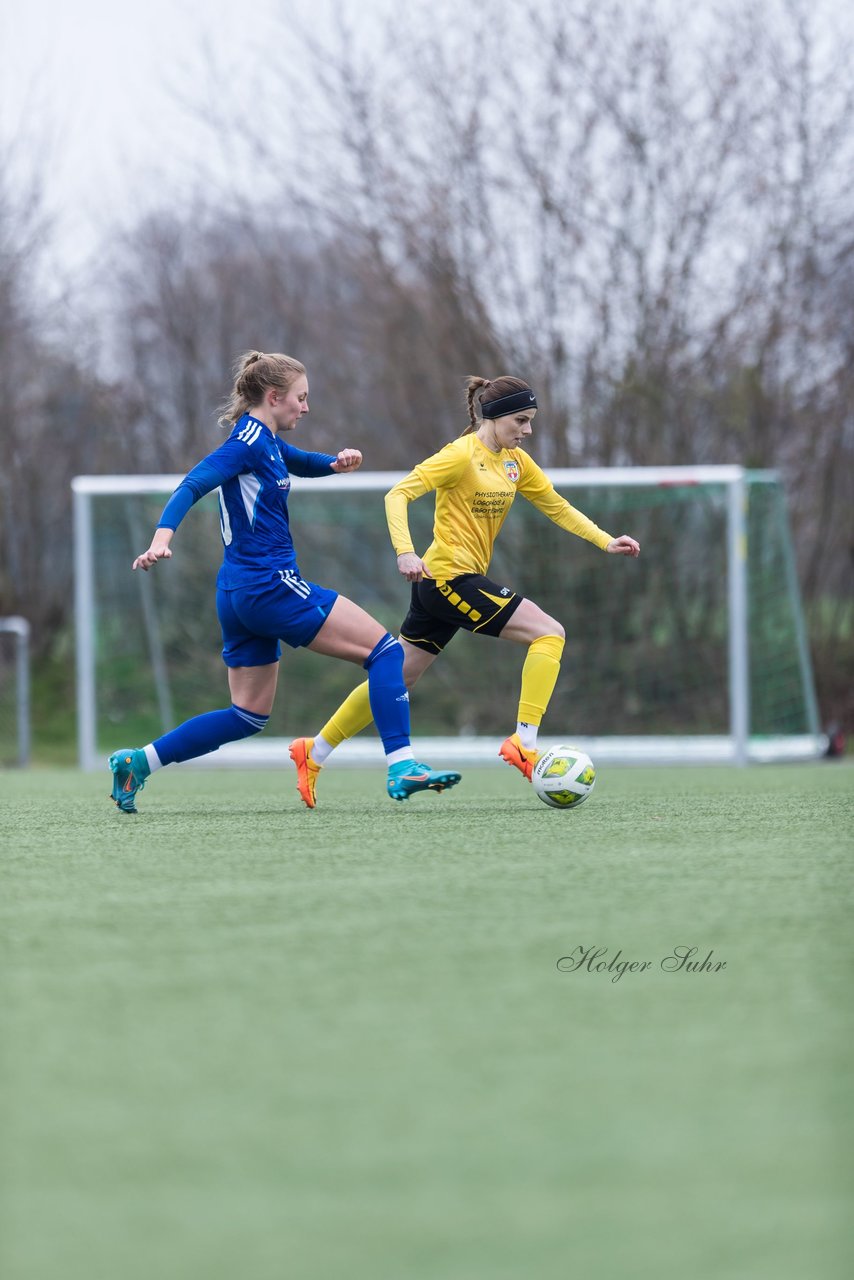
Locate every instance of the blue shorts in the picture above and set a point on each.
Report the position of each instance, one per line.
(254, 619)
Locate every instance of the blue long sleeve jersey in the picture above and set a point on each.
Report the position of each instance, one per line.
(252, 470)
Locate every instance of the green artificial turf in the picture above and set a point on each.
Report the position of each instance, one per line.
(242, 1040)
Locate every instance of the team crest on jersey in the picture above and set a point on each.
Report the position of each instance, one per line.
(512, 469)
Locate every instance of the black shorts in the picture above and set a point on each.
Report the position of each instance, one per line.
(438, 609)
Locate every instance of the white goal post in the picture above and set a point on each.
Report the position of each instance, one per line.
(745, 617)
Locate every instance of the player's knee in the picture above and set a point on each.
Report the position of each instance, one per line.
(549, 645)
(387, 651)
(247, 722)
(551, 627)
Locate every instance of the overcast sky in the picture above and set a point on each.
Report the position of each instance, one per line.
(94, 86)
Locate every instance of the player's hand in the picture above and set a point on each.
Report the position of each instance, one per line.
(159, 550)
(623, 546)
(412, 567)
(347, 460)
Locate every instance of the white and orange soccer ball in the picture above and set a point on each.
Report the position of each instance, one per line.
(563, 777)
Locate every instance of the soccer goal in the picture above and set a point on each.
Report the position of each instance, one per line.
(696, 652)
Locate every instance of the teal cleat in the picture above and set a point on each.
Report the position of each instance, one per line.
(130, 769)
(406, 777)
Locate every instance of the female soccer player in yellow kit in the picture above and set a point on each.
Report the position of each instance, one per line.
(476, 477)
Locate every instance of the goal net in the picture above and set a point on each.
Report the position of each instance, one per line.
(694, 652)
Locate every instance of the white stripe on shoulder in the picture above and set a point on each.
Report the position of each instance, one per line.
(250, 432)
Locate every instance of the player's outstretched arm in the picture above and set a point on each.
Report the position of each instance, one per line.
(623, 546)
(159, 550)
(347, 460)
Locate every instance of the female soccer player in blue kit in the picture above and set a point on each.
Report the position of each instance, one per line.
(262, 597)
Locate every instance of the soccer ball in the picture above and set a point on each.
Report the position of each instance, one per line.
(563, 777)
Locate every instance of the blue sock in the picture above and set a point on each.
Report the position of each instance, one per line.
(203, 734)
(388, 694)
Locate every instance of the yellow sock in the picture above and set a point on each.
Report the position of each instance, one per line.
(539, 677)
(351, 718)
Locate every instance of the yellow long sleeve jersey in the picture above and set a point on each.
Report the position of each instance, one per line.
(475, 489)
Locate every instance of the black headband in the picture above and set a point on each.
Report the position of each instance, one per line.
(509, 404)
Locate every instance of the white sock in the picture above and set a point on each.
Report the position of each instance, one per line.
(321, 750)
(402, 753)
(527, 735)
(154, 761)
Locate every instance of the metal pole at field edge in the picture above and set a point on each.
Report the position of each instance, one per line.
(739, 670)
(20, 629)
(84, 625)
(22, 662)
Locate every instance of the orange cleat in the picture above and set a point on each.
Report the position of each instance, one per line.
(512, 752)
(307, 770)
